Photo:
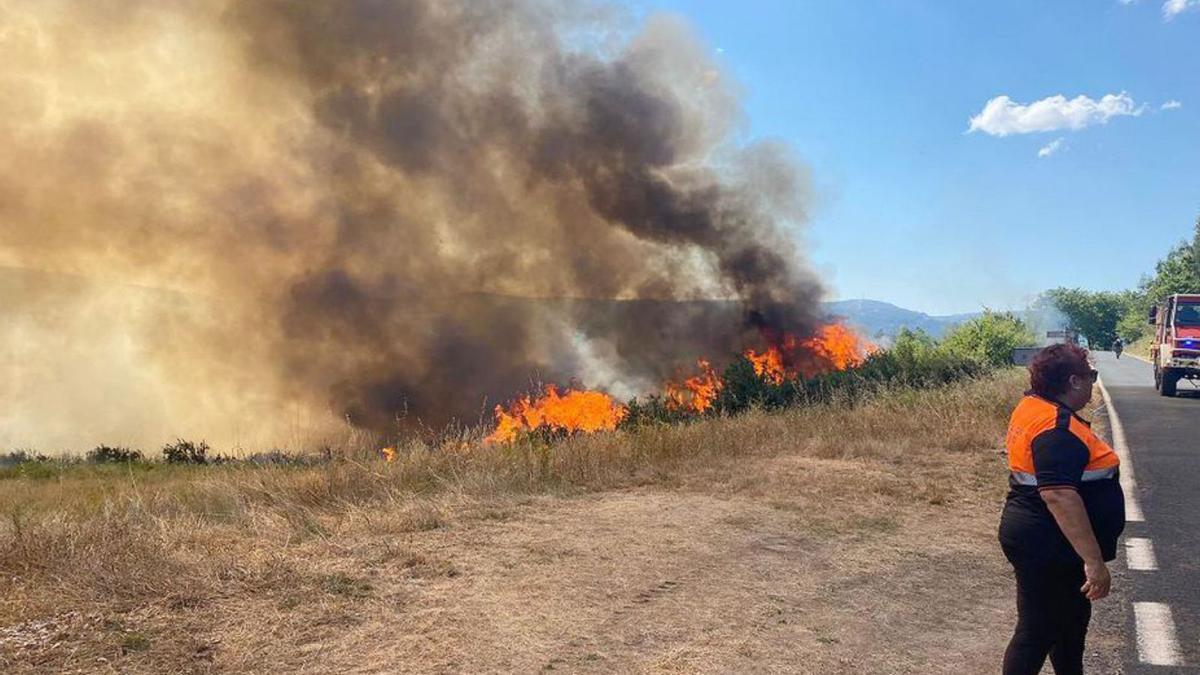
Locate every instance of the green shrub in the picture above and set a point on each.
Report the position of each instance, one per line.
(653, 410)
(989, 339)
(917, 359)
(914, 359)
(275, 456)
(744, 388)
(103, 454)
(186, 452)
(21, 457)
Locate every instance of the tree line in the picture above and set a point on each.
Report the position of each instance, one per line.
(1101, 316)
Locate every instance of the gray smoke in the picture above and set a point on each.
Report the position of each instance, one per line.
(377, 210)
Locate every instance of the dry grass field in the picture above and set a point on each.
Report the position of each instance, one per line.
(816, 540)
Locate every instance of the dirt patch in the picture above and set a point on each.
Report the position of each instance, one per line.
(634, 580)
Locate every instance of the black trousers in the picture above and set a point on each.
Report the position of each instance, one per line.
(1052, 617)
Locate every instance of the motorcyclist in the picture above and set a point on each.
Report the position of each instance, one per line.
(1118, 346)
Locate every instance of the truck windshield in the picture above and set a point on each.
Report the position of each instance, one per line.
(1187, 315)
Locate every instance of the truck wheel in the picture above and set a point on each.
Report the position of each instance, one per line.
(1169, 380)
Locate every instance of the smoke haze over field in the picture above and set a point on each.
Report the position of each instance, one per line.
(239, 219)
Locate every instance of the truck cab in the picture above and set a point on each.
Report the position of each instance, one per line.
(1176, 349)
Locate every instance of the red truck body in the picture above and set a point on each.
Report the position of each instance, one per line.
(1176, 349)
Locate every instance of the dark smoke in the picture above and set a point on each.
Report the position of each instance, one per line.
(387, 208)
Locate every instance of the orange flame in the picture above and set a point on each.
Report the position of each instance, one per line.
(769, 364)
(574, 411)
(389, 453)
(840, 346)
(834, 347)
(697, 393)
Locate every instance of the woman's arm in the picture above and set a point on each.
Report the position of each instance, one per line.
(1068, 510)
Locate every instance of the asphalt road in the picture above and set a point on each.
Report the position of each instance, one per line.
(1164, 449)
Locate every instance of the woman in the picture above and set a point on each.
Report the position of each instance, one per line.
(1064, 512)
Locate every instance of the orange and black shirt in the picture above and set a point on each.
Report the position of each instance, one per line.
(1052, 448)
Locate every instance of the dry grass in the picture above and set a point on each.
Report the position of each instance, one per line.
(811, 540)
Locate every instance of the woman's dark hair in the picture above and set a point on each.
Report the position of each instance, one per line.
(1051, 369)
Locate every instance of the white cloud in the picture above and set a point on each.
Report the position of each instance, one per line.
(1002, 116)
(1170, 105)
(1127, 2)
(1051, 148)
(1173, 8)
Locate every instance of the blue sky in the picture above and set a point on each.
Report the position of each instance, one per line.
(876, 96)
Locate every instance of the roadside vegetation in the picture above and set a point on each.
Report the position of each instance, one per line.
(1141, 346)
(776, 525)
(776, 534)
(913, 360)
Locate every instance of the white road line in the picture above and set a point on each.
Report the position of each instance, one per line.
(1156, 641)
(1133, 510)
(1139, 554)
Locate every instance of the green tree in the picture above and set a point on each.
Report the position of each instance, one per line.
(1196, 249)
(1135, 323)
(1095, 314)
(989, 339)
(1177, 272)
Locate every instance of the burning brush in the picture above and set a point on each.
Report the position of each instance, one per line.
(572, 411)
(834, 347)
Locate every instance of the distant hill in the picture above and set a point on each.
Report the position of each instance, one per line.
(882, 319)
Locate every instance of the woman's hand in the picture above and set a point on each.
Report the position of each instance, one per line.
(1099, 581)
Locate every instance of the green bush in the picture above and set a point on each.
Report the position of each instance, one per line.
(186, 452)
(103, 454)
(989, 339)
(744, 388)
(21, 457)
(914, 359)
(654, 410)
(279, 457)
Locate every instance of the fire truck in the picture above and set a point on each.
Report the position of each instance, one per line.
(1176, 349)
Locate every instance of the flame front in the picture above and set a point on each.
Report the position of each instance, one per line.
(573, 411)
(769, 364)
(834, 347)
(840, 346)
(697, 393)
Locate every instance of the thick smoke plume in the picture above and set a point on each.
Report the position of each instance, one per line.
(242, 219)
